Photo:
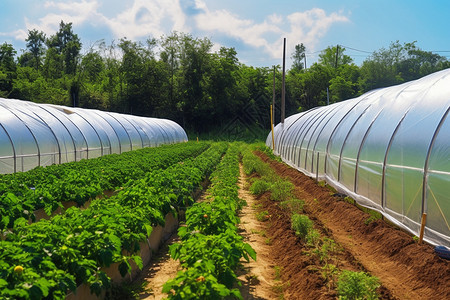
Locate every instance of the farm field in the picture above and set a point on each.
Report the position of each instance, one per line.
(250, 227)
(351, 239)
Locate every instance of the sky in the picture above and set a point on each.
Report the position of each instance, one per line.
(255, 28)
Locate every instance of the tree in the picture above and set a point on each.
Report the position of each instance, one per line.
(194, 64)
(35, 45)
(8, 68)
(170, 56)
(314, 86)
(334, 57)
(67, 45)
(345, 84)
(298, 58)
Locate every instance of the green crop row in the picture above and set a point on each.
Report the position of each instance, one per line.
(210, 247)
(48, 258)
(23, 193)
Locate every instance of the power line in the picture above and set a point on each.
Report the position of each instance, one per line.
(346, 47)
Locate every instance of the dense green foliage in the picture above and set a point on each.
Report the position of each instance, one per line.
(50, 187)
(50, 257)
(211, 247)
(180, 77)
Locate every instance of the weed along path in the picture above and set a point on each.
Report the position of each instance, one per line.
(406, 270)
(257, 277)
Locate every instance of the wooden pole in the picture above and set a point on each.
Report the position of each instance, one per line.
(283, 86)
(273, 94)
(317, 167)
(422, 227)
(337, 55)
(271, 126)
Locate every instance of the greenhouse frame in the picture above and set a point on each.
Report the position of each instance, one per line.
(33, 134)
(389, 149)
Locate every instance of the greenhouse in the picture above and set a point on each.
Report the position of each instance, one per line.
(389, 149)
(34, 134)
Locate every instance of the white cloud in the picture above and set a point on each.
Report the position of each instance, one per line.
(147, 18)
(141, 19)
(302, 27)
(19, 34)
(69, 12)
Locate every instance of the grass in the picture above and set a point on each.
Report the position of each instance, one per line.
(278, 270)
(262, 216)
(293, 205)
(258, 232)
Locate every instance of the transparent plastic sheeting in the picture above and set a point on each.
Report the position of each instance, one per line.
(34, 134)
(389, 149)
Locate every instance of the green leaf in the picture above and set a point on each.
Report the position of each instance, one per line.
(44, 285)
(250, 251)
(149, 229)
(106, 257)
(5, 221)
(3, 283)
(138, 260)
(124, 267)
(35, 292)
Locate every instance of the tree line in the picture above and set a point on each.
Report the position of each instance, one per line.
(179, 77)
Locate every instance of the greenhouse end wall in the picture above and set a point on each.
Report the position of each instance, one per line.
(33, 134)
(389, 149)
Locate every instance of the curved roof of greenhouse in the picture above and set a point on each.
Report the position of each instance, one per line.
(389, 149)
(33, 134)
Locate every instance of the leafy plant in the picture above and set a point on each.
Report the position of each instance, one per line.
(357, 285)
(281, 190)
(210, 248)
(301, 224)
(259, 187)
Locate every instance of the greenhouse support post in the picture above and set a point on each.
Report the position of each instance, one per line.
(271, 126)
(283, 89)
(422, 227)
(317, 168)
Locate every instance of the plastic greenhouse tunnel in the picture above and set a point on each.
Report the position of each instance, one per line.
(34, 134)
(389, 149)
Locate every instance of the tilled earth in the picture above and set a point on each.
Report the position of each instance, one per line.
(406, 269)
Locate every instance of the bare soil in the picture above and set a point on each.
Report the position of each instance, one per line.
(162, 268)
(406, 269)
(257, 277)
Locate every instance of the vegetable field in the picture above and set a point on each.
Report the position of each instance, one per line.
(66, 226)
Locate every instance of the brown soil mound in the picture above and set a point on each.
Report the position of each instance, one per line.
(406, 269)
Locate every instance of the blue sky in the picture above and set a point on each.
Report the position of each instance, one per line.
(255, 28)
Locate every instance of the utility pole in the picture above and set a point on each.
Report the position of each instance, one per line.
(337, 55)
(273, 96)
(305, 61)
(328, 97)
(283, 85)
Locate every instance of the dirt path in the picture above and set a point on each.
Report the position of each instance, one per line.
(257, 277)
(162, 268)
(407, 270)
